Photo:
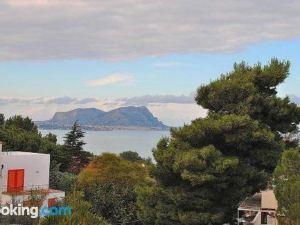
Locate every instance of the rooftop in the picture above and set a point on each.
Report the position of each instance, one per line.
(262, 200)
(268, 200)
(253, 202)
(21, 153)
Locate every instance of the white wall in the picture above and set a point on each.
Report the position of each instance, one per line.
(36, 167)
(257, 219)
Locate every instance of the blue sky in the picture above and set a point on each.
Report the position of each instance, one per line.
(59, 55)
(178, 74)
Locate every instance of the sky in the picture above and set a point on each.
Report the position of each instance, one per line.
(59, 55)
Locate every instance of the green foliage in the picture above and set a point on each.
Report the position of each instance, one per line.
(51, 137)
(2, 119)
(20, 134)
(252, 91)
(134, 157)
(202, 161)
(81, 213)
(109, 183)
(206, 168)
(73, 140)
(18, 122)
(116, 203)
(131, 156)
(287, 190)
(73, 145)
(61, 180)
(22, 140)
(24, 220)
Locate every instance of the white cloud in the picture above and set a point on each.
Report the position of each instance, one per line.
(65, 100)
(149, 99)
(111, 79)
(175, 114)
(125, 29)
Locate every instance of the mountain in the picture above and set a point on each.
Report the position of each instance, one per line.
(130, 117)
(88, 116)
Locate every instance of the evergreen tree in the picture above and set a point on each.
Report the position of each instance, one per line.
(2, 119)
(131, 156)
(19, 122)
(73, 144)
(287, 189)
(73, 140)
(51, 137)
(206, 168)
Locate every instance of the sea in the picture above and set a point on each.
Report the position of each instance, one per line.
(117, 141)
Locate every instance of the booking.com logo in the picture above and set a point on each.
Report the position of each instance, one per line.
(35, 212)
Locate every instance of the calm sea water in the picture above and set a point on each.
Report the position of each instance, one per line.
(117, 141)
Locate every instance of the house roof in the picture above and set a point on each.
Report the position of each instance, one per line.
(262, 200)
(21, 153)
(253, 202)
(268, 200)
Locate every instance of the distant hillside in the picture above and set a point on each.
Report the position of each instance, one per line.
(94, 119)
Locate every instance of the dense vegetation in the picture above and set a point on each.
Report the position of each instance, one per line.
(206, 168)
(109, 183)
(245, 144)
(103, 191)
(287, 181)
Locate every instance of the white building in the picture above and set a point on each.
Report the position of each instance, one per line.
(25, 173)
(260, 209)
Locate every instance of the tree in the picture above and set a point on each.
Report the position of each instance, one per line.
(61, 180)
(109, 183)
(134, 157)
(73, 140)
(2, 119)
(19, 122)
(252, 91)
(51, 137)
(73, 144)
(287, 190)
(206, 168)
(131, 156)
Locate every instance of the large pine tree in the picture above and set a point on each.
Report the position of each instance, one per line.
(207, 167)
(73, 145)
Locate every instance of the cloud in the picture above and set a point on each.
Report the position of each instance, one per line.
(86, 100)
(126, 29)
(149, 99)
(65, 100)
(177, 114)
(111, 79)
(60, 100)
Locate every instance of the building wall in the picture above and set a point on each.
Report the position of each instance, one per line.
(36, 167)
(257, 219)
